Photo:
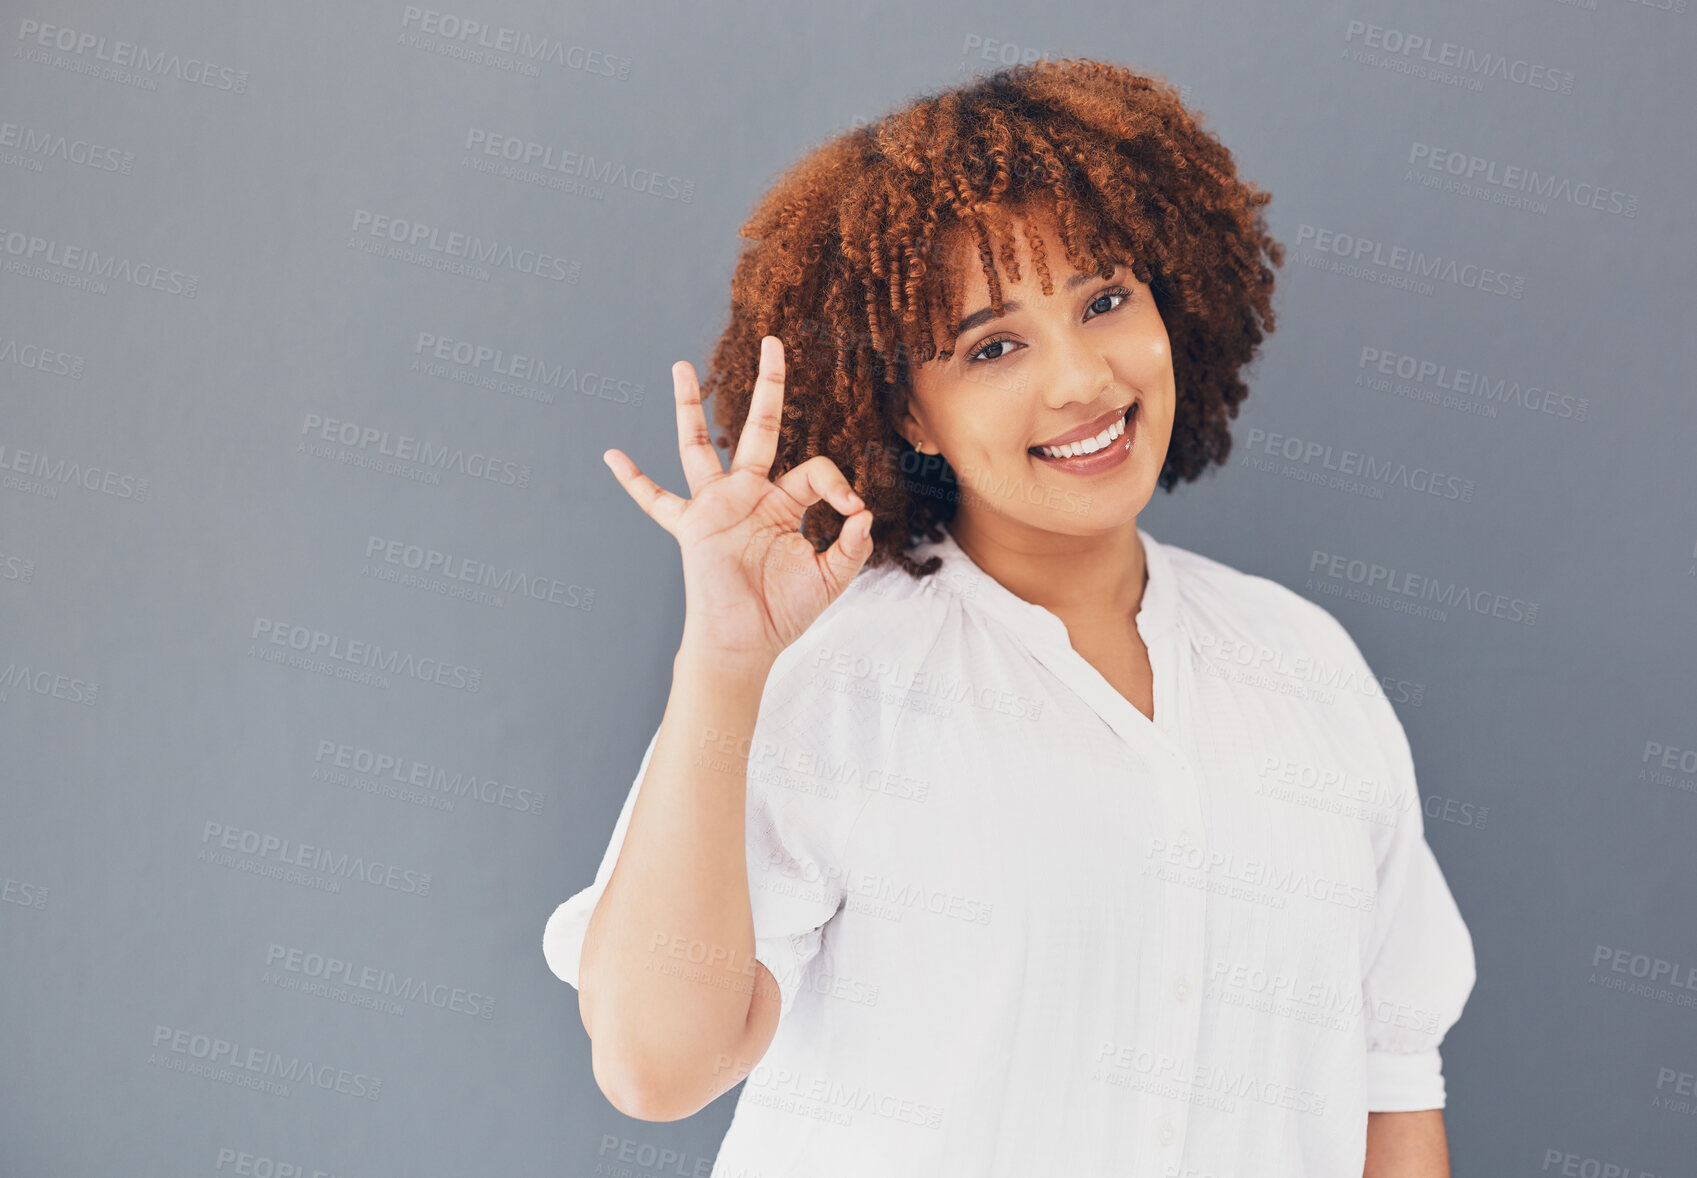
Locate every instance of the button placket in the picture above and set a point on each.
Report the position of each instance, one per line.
(1184, 943)
(1175, 1022)
(1172, 1026)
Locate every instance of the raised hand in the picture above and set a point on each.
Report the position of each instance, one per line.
(752, 582)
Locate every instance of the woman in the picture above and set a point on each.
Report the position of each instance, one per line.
(984, 833)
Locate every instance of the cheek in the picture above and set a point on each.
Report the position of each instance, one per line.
(1161, 423)
(992, 438)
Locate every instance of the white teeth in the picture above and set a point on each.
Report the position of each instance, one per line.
(1088, 445)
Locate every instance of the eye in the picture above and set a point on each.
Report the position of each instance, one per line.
(978, 356)
(1118, 292)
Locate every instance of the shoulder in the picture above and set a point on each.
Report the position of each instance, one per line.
(825, 719)
(878, 630)
(883, 613)
(1228, 603)
(1254, 624)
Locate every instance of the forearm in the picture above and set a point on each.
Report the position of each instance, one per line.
(680, 883)
(1407, 1145)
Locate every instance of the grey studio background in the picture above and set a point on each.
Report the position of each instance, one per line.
(278, 911)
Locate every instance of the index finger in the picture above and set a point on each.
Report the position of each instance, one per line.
(759, 441)
(695, 444)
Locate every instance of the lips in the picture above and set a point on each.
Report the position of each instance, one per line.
(1098, 463)
(1088, 430)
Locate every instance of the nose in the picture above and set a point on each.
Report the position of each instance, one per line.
(1078, 373)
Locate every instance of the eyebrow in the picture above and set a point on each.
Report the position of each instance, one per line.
(985, 314)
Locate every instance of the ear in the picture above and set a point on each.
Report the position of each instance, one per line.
(909, 426)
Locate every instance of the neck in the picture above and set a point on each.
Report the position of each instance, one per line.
(1100, 576)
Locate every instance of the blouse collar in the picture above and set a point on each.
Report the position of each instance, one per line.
(958, 574)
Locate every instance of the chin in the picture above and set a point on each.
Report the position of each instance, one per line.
(1094, 511)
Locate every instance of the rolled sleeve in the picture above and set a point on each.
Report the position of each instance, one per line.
(794, 834)
(1399, 1082)
(1420, 967)
(787, 958)
(797, 827)
(562, 935)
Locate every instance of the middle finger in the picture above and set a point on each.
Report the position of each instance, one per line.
(759, 441)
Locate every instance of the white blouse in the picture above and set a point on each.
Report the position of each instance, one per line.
(1019, 928)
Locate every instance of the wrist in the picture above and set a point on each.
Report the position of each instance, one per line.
(702, 660)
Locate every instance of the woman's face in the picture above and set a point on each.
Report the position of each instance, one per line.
(1056, 365)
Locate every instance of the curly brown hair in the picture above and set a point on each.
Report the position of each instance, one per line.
(838, 269)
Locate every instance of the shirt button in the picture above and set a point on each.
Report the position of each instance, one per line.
(1166, 1133)
(1181, 990)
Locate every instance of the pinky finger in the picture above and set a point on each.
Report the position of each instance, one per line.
(661, 506)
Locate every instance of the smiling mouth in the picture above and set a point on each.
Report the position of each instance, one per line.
(1094, 445)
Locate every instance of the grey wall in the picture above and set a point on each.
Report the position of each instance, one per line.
(235, 413)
